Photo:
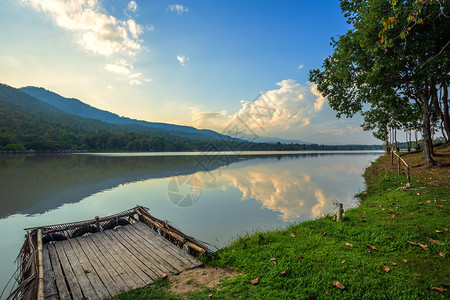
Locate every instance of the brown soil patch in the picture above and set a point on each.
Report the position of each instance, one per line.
(198, 278)
(419, 171)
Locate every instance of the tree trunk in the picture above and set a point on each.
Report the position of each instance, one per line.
(386, 138)
(426, 134)
(446, 117)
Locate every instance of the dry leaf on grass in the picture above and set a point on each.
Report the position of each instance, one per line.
(417, 275)
(404, 260)
(372, 247)
(293, 234)
(434, 241)
(442, 254)
(424, 247)
(393, 263)
(283, 273)
(209, 295)
(385, 268)
(338, 285)
(343, 262)
(255, 281)
(412, 243)
(438, 231)
(350, 245)
(438, 289)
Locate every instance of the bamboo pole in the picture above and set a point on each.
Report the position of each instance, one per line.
(174, 235)
(408, 177)
(40, 263)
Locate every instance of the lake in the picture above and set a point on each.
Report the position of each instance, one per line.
(214, 198)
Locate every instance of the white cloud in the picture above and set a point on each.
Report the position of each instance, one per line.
(320, 101)
(182, 59)
(132, 6)
(300, 67)
(178, 8)
(95, 30)
(291, 106)
(122, 67)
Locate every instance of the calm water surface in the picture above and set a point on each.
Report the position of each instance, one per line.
(211, 197)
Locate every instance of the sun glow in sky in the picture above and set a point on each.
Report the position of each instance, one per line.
(196, 63)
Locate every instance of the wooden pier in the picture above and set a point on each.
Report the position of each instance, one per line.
(99, 264)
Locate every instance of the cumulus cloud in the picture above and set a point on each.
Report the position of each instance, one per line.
(342, 131)
(178, 8)
(95, 30)
(132, 6)
(182, 59)
(122, 67)
(320, 101)
(292, 105)
(300, 67)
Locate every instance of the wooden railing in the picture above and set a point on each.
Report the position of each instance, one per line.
(399, 159)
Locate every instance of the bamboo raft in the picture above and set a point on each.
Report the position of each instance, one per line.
(99, 258)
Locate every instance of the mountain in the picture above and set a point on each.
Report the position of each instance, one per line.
(81, 109)
(28, 123)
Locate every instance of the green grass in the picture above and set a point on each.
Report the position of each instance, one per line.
(387, 219)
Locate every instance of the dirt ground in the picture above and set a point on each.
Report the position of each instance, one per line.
(198, 278)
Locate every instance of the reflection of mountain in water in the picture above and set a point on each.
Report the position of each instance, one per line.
(33, 185)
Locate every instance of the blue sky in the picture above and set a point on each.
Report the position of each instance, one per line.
(196, 63)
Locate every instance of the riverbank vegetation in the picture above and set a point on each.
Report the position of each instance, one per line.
(394, 245)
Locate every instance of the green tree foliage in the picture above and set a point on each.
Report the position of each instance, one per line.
(387, 62)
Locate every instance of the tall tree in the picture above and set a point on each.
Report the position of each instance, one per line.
(397, 51)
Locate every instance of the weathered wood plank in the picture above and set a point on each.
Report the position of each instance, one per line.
(121, 278)
(159, 254)
(63, 291)
(140, 260)
(71, 279)
(49, 275)
(161, 265)
(90, 270)
(132, 265)
(166, 245)
(80, 275)
(109, 282)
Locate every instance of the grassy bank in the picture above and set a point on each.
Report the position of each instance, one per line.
(395, 245)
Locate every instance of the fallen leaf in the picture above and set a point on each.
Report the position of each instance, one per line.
(274, 262)
(293, 234)
(338, 285)
(412, 243)
(255, 281)
(283, 273)
(418, 194)
(350, 245)
(343, 262)
(438, 289)
(446, 229)
(272, 259)
(440, 205)
(163, 275)
(434, 241)
(375, 213)
(428, 201)
(87, 271)
(393, 263)
(328, 293)
(372, 247)
(210, 295)
(387, 239)
(323, 233)
(300, 256)
(417, 275)
(404, 260)
(385, 268)
(442, 254)
(411, 213)
(53, 276)
(424, 247)
(430, 213)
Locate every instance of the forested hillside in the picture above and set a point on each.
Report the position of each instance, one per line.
(28, 123)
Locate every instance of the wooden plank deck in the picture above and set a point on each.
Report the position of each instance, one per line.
(101, 265)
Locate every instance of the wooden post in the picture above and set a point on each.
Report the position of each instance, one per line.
(97, 223)
(392, 156)
(398, 165)
(408, 185)
(40, 264)
(340, 211)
